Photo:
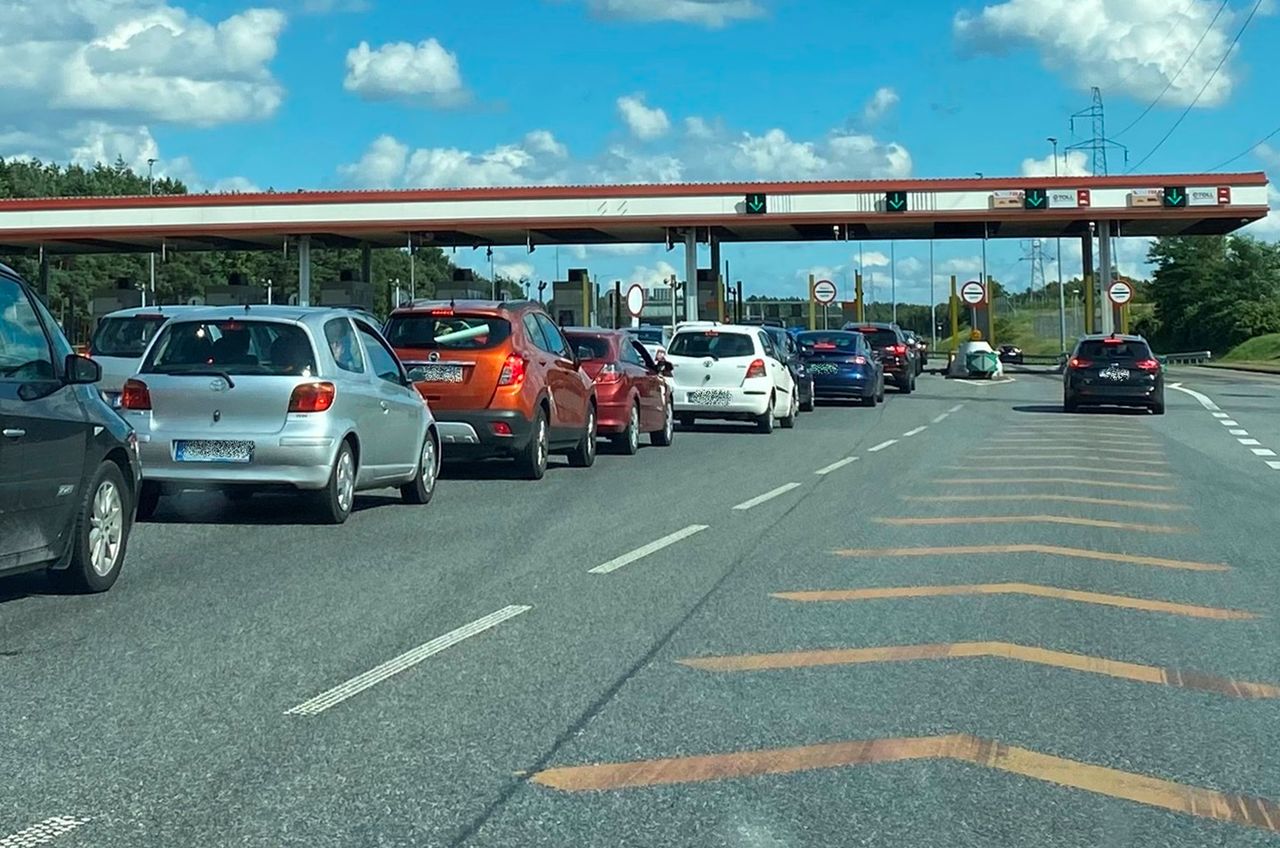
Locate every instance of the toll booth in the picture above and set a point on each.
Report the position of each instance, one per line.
(124, 294)
(575, 302)
(347, 290)
(463, 285)
(710, 298)
(236, 292)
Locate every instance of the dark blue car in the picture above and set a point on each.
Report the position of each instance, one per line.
(843, 366)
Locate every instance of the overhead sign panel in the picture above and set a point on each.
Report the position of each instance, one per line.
(1035, 198)
(1202, 196)
(895, 201)
(1144, 197)
(1065, 198)
(1006, 200)
(1175, 197)
(756, 203)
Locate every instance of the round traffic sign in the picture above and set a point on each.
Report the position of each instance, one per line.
(824, 291)
(1120, 292)
(635, 300)
(973, 293)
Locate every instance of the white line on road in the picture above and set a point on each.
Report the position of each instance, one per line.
(1229, 423)
(836, 466)
(941, 418)
(917, 431)
(1263, 452)
(1205, 401)
(767, 496)
(1248, 442)
(42, 833)
(407, 660)
(882, 446)
(1221, 415)
(956, 408)
(1274, 463)
(644, 550)
(1238, 432)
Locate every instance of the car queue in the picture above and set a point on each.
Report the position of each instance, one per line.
(322, 403)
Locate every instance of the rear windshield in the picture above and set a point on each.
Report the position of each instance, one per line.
(843, 342)
(877, 337)
(711, 343)
(232, 347)
(125, 336)
(447, 331)
(590, 347)
(1112, 350)
(649, 335)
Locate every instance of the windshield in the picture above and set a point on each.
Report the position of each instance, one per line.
(828, 341)
(647, 335)
(232, 347)
(447, 331)
(590, 346)
(710, 343)
(1114, 350)
(125, 336)
(878, 337)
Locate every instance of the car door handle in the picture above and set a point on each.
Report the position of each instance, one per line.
(14, 433)
(385, 407)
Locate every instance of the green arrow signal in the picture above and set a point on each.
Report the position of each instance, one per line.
(1034, 198)
(1175, 196)
(896, 201)
(755, 204)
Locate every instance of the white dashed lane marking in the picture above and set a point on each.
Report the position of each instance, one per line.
(1249, 441)
(42, 833)
(644, 550)
(1263, 452)
(1221, 415)
(1229, 423)
(1225, 419)
(836, 466)
(941, 418)
(1238, 432)
(407, 660)
(882, 446)
(914, 432)
(767, 496)
(1274, 463)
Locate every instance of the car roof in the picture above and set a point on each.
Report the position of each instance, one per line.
(601, 332)
(1099, 337)
(737, 329)
(298, 314)
(493, 307)
(160, 309)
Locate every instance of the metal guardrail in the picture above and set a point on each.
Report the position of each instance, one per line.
(1042, 359)
(1194, 357)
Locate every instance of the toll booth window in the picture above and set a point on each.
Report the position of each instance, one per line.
(453, 331)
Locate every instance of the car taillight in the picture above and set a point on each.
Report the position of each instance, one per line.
(610, 373)
(755, 369)
(1149, 364)
(898, 350)
(135, 395)
(824, 346)
(312, 397)
(1077, 362)
(512, 371)
(859, 360)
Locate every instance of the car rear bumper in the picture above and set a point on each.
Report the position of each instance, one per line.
(477, 434)
(613, 417)
(1117, 395)
(843, 387)
(304, 462)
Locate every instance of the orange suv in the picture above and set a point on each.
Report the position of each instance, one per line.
(501, 380)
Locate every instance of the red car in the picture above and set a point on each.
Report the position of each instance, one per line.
(632, 395)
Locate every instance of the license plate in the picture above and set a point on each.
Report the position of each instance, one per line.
(824, 368)
(710, 397)
(212, 450)
(1114, 373)
(437, 373)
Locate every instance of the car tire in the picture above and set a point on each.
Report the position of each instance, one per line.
(583, 454)
(808, 405)
(100, 536)
(628, 441)
(1157, 408)
(905, 385)
(880, 396)
(789, 422)
(1070, 404)
(334, 502)
(148, 500)
(419, 490)
(532, 460)
(662, 438)
(764, 422)
(869, 400)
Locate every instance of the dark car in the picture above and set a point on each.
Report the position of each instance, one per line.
(1011, 354)
(898, 357)
(842, 365)
(789, 352)
(68, 461)
(630, 389)
(921, 347)
(1114, 370)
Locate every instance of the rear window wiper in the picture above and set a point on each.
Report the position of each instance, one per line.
(204, 372)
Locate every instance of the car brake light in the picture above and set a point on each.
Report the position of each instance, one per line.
(1077, 362)
(135, 395)
(824, 346)
(442, 312)
(1113, 341)
(312, 397)
(1149, 364)
(898, 350)
(755, 369)
(512, 371)
(610, 373)
(501, 428)
(859, 360)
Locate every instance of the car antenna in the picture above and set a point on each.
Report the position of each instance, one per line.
(246, 307)
(451, 305)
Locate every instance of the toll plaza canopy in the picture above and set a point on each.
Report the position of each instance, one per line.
(1006, 207)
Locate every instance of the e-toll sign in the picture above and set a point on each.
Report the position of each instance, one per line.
(756, 203)
(895, 201)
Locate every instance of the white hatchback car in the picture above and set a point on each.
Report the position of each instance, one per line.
(308, 399)
(120, 339)
(730, 372)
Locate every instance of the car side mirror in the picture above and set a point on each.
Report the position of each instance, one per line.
(81, 370)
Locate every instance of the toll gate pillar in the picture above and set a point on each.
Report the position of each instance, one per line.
(1104, 276)
(304, 270)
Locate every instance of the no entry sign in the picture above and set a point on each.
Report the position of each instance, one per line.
(973, 293)
(635, 300)
(824, 291)
(1120, 292)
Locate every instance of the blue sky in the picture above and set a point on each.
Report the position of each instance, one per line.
(373, 93)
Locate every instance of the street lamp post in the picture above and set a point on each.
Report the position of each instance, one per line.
(151, 190)
(1062, 298)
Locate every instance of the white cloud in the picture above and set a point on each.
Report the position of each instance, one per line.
(961, 266)
(644, 122)
(819, 272)
(1269, 155)
(872, 259)
(709, 13)
(381, 166)
(514, 270)
(696, 127)
(910, 267)
(1130, 46)
(425, 72)
(332, 7)
(1072, 163)
(231, 185)
(650, 277)
(880, 103)
(132, 61)
(775, 155)
(620, 249)
(542, 141)
(1267, 229)
(621, 165)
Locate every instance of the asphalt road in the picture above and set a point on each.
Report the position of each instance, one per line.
(867, 656)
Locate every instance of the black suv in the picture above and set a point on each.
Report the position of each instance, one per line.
(1113, 370)
(890, 344)
(68, 461)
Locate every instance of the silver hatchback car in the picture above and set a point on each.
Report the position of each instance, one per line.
(246, 398)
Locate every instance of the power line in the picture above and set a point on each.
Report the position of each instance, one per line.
(1275, 132)
(1225, 55)
(1174, 78)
